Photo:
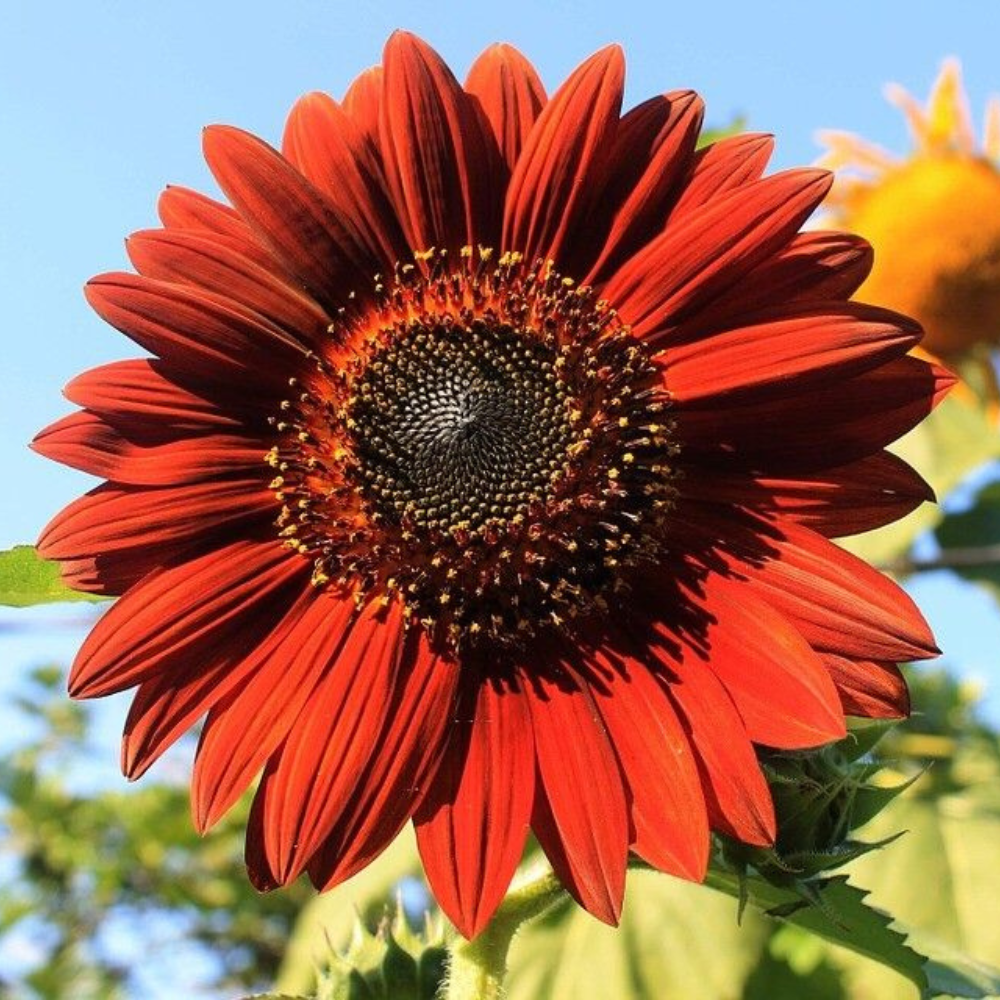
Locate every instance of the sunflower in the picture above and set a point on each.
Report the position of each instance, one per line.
(933, 217)
(483, 475)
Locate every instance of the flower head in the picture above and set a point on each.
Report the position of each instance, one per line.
(483, 475)
(933, 217)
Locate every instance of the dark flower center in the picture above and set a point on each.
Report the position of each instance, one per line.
(488, 445)
(461, 427)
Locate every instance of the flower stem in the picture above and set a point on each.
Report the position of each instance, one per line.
(476, 969)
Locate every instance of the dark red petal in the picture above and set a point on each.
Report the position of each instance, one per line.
(813, 267)
(562, 162)
(777, 682)
(404, 754)
(362, 101)
(511, 95)
(168, 705)
(785, 352)
(309, 782)
(839, 603)
(324, 142)
(84, 441)
(651, 154)
(703, 254)
(721, 168)
(581, 812)
(200, 334)
(827, 426)
(258, 870)
(737, 796)
(845, 500)
(869, 689)
(290, 216)
(182, 612)
(203, 262)
(472, 827)
(253, 719)
(658, 766)
(182, 208)
(441, 161)
(111, 519)
(141, 392)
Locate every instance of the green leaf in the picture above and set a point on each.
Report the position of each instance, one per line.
(675, 941)
(955, 440)
(27, 579)
(841, 916)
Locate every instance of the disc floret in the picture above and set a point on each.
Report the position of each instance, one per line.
(487, 444)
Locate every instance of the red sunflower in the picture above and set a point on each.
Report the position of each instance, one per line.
(483, 474)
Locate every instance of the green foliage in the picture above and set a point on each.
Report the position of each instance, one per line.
(85, 861)
(26, 579)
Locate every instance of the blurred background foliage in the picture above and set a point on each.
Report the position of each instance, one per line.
(105, 891)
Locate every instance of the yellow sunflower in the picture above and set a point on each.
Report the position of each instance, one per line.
(932, 216)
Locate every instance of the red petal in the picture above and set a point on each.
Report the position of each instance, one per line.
(652, 150)
(324, 142)
(871, 690)
(83, 441)
(294, 220)
(201, 335)
(659, 768)
(786, 352)
(581, 813)
(309, 782)
(824, 427)
(838, 602)
(441, 163)
(141, 391)
(737, 796)
(554, 181)
(721, 168)
(256, 715)
(166, 706)
(362, 101)
(202, 262)
(779, 685)
(813, 267)
(111, 519)
(405, 754)
(703, 254)
(846, 500)
(183, 612)
(511, 95)
(472, 827)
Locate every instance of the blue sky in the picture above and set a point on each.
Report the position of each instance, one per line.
(102, 104)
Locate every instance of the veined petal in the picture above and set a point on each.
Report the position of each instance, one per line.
(720, 168)
(404, 756)
(325, 143)
(869, 689)
(553, 182)
(290, 216)
(658, 766)
(581, 811)
(362, 101)
(112, 518)
(441, 163)
(84, 441)
(652, 151)
(246, 727)
(700, 256)
(472, 827)
(184, 611)
(787, 351)
(203, 262)
(511, 95)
